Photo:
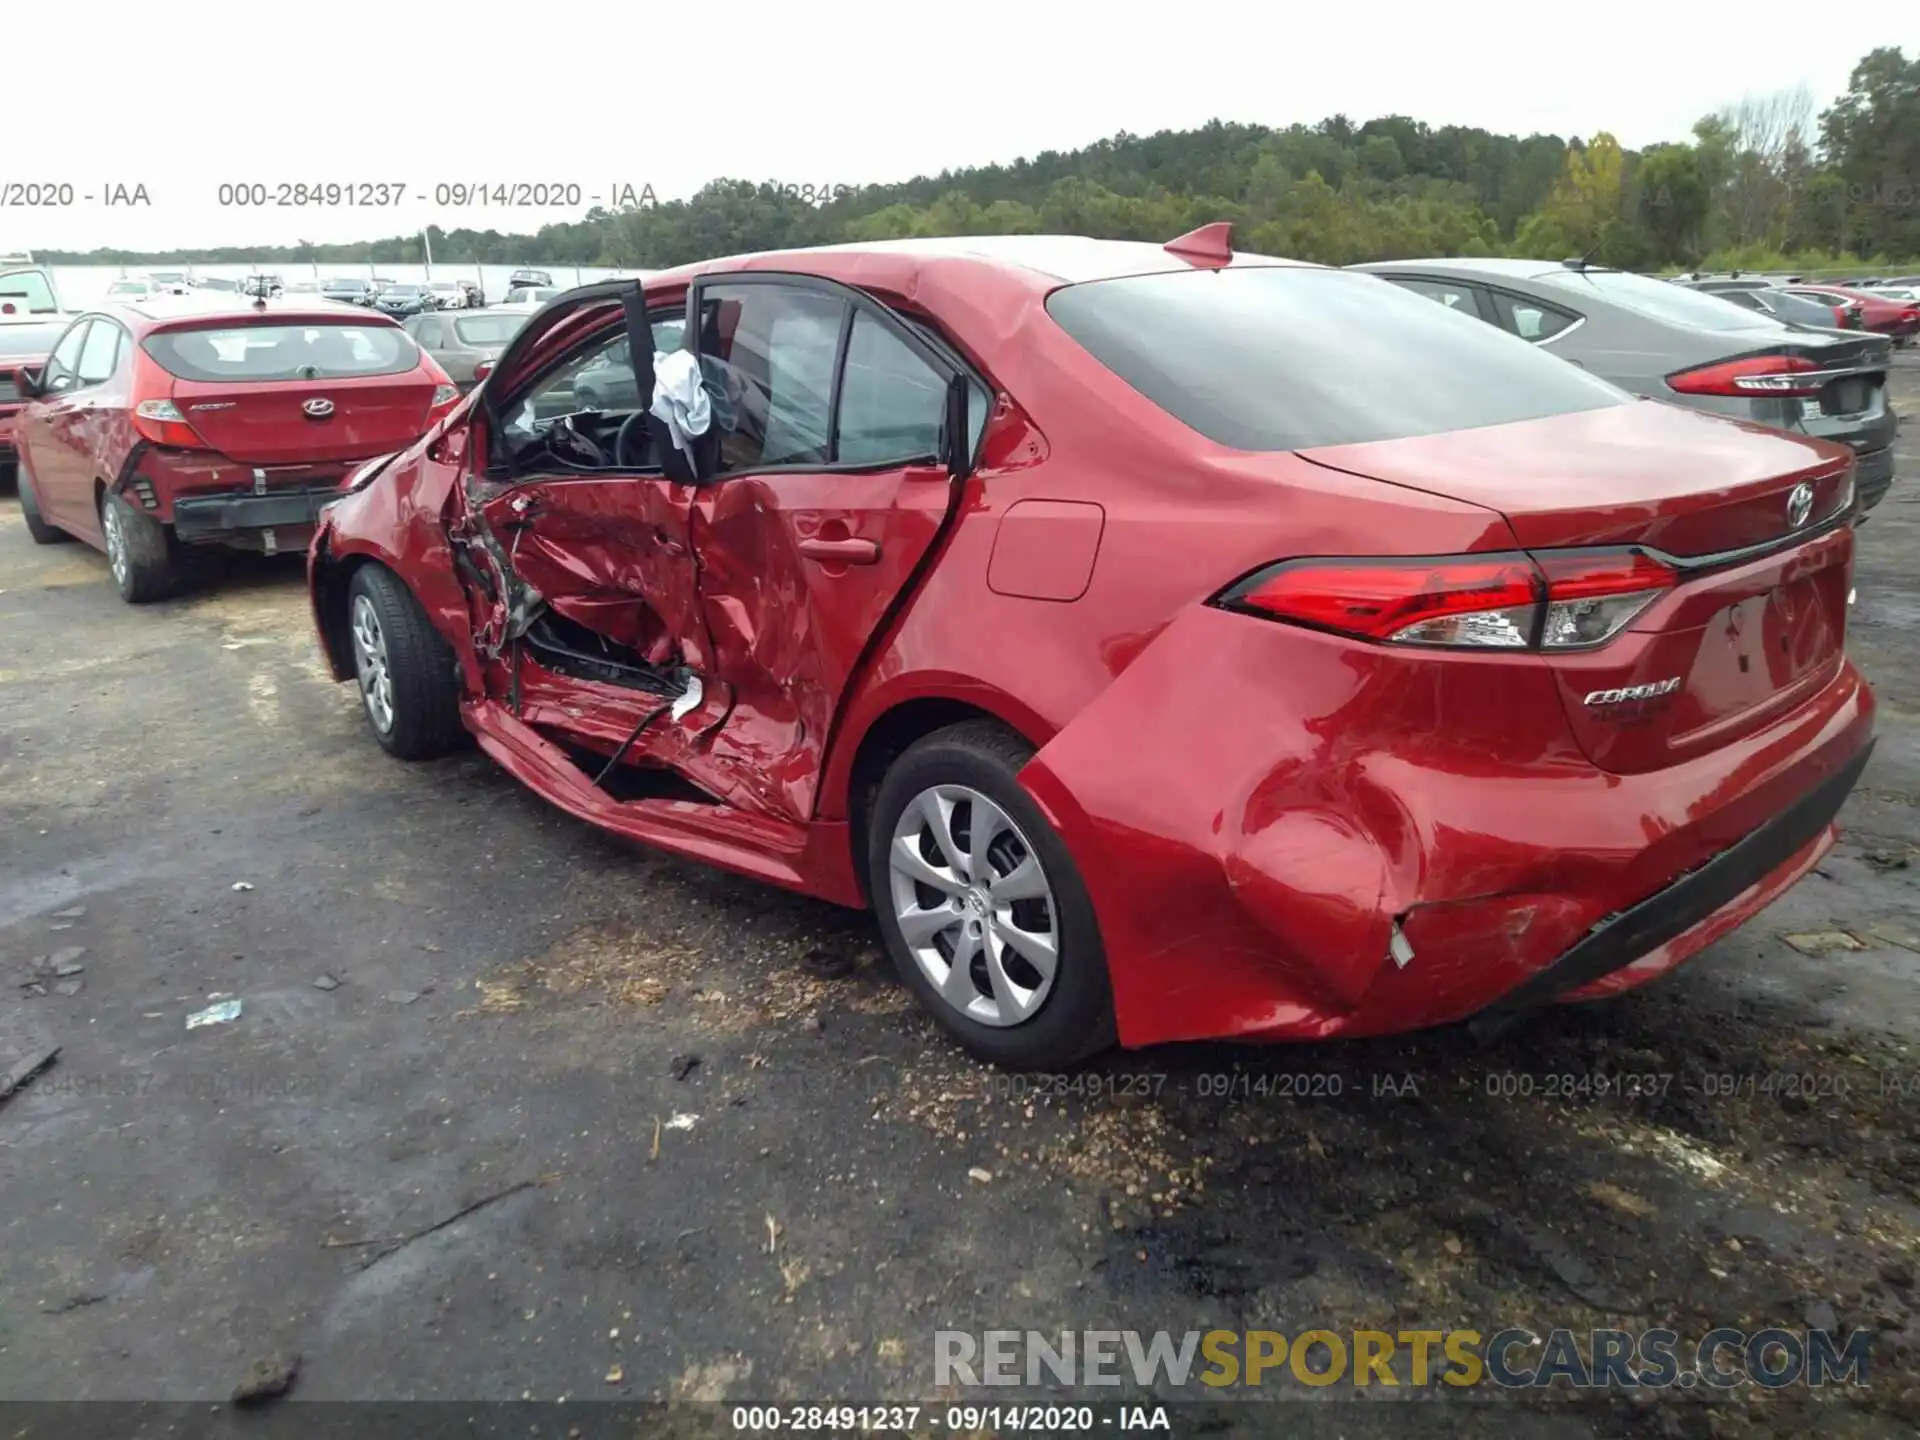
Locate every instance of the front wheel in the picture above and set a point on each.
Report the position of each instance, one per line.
(981, 905)
(408, 679)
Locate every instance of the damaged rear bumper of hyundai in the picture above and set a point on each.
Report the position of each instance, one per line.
(1288, 838)
(216, 501)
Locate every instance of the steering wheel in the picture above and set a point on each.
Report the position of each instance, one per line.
(581, 445)
(634, 423)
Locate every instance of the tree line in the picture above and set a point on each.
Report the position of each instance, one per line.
(1763, 183)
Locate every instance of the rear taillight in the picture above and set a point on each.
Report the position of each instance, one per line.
(1592, 595)
(1752, 375)
(444, 395)
(161, 423)
(1553, 600)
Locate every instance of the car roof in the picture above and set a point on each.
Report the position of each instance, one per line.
(1471, 265)
(158, 311)
(1061, 259)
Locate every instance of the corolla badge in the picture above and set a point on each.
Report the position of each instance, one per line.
(318, 409)
(1799, 505)
(1649, 691)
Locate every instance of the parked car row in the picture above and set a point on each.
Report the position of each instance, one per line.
(1886, 307)
(1683, 346)
(1164, 642)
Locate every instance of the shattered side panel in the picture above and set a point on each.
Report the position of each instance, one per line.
(789, 629)
(609, 553)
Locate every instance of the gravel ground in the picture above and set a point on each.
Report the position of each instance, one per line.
(513, 1110)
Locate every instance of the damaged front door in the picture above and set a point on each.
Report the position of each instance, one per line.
(833, 481)
(577, 551)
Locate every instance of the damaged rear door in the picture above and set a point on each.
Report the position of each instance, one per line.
(832, 476)
(575, 546)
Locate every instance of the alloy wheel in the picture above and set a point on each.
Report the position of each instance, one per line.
(115, 532)
(371, 665)
(974, 905)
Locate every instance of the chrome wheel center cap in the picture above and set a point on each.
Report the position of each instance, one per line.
(978, 904)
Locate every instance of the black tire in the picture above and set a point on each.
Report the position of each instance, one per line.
(423, 676)
(1075, 1018)
(152, 569)
(38, 530)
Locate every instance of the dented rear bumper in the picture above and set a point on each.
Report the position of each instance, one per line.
(1258, 809)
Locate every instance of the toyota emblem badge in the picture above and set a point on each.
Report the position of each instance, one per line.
(320, 409)
(1799, 505)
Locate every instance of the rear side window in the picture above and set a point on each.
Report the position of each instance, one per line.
(1528, 318)
(1285, 358)
(892, 403)
(768, 352)
(283, 352)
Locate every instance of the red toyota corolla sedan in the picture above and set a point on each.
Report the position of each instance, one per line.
(205, 420)
(1164, 642)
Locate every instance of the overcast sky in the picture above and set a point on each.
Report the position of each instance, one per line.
(821, 92)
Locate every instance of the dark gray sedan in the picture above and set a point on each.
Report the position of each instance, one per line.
(1673, 343)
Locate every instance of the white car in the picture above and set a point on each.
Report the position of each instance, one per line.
(448, 294)
(135, 288)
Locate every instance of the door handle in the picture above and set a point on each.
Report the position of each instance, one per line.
(841, 552)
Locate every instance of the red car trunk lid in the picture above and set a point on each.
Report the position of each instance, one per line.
(1741, 638)
(274, 422)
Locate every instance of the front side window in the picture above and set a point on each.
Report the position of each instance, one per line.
(595, 386)
(64, 365)
(100, 354)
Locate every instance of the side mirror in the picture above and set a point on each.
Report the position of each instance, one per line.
(26, 383)
(955, 442)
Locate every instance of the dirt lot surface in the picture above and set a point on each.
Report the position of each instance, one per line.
(513, 1110)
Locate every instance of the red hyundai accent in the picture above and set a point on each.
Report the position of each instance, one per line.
(1164, 642)
(206, 420)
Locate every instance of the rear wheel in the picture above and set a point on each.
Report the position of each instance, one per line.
(981, 905)
(141, 552)
(37, 529)
(408, 679)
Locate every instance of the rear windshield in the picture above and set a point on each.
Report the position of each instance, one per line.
(1285, 358)
(32, 340)
(1658, 299)
(283, 352)
(488, 329)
